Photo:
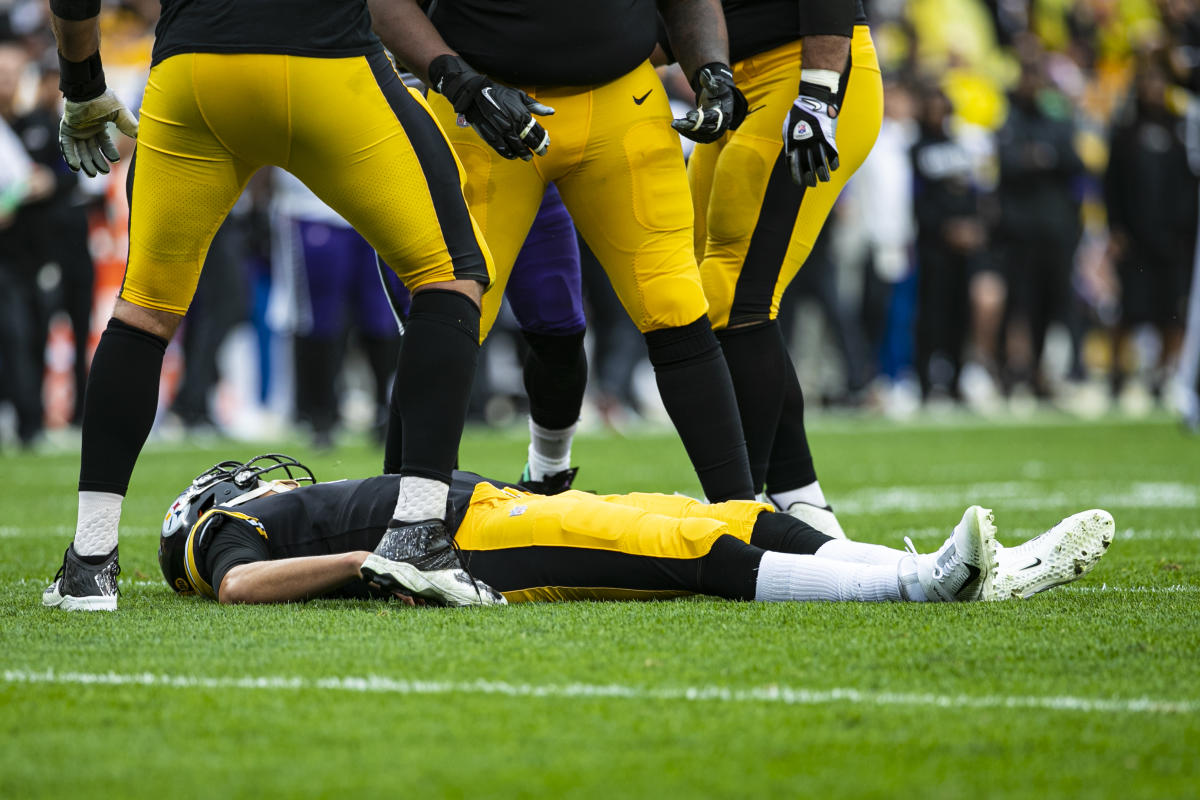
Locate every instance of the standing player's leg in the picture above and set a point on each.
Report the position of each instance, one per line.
(761, 227)
(183, 183)
(646, 247)
(546, 297)
(393, 176)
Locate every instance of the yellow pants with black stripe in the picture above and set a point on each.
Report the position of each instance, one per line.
(754, 227)
(579, 546)
(619, 168)
(347, 127)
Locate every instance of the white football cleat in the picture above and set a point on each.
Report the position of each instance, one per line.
(820, 518)
(1065, 553)
(961, 570)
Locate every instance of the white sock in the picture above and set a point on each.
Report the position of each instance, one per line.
(549, 450)
(909, 582)
(421, 499)
(784, 576)
(97, 524)
(859, 552)
(810, 494)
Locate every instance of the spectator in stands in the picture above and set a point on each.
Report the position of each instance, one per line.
(21, 182)
(1150, 194)
(950, 242)
(54, 233)
(1039, 216)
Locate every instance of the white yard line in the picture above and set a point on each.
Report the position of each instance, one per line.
(1105, 589)
(1024, 495)
(781, 695)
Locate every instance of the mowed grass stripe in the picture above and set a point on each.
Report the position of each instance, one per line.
(768, 694)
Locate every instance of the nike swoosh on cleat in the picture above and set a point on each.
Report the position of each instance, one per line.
(1036, 562)
(642, 99)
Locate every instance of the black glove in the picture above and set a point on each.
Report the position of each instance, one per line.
(498, 113)
(810, 135)
(720, 106)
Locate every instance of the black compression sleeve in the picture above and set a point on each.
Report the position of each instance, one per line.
(75, 10)
(827, 17)
(232, 544)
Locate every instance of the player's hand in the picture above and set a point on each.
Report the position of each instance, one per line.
(83, 133)
(720, 106)
(810, 135)
(503, 116)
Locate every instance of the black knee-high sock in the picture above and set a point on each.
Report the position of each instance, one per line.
(555, 378)
(786, 534)
(695, 387)
(433, 385)
(119, 406)
(791, 463)
(756, 355)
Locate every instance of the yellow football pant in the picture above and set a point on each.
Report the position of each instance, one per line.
(539, 529)
(619, 168)
(347, 127)
(754, 226)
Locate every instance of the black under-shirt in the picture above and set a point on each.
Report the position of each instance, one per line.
(318, 28)
(756, 26)
(549, 42)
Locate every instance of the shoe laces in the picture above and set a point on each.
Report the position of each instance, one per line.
(62, 570)
(953, 560)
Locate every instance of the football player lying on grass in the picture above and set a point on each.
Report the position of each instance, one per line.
(238, 537)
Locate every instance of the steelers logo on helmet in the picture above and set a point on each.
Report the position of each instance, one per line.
(226, 483)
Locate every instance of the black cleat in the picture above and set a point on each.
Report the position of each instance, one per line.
(80, 586)
(557, 483)
(420, 559)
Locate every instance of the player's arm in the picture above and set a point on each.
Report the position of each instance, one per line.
(810, 131)
(700, 43)
(289, 579)
(501, 115)
(90, 104)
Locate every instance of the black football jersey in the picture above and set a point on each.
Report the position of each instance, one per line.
(316, 28)
(756, 26)
(549, 42)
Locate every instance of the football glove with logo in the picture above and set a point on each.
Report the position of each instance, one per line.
(498, 113)
(810, 135)
(720, 106)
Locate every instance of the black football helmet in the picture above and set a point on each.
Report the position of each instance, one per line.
(221, 484)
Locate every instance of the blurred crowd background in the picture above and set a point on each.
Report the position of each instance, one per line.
(1023, 236)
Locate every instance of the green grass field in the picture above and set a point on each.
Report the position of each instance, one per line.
(1091, 690)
